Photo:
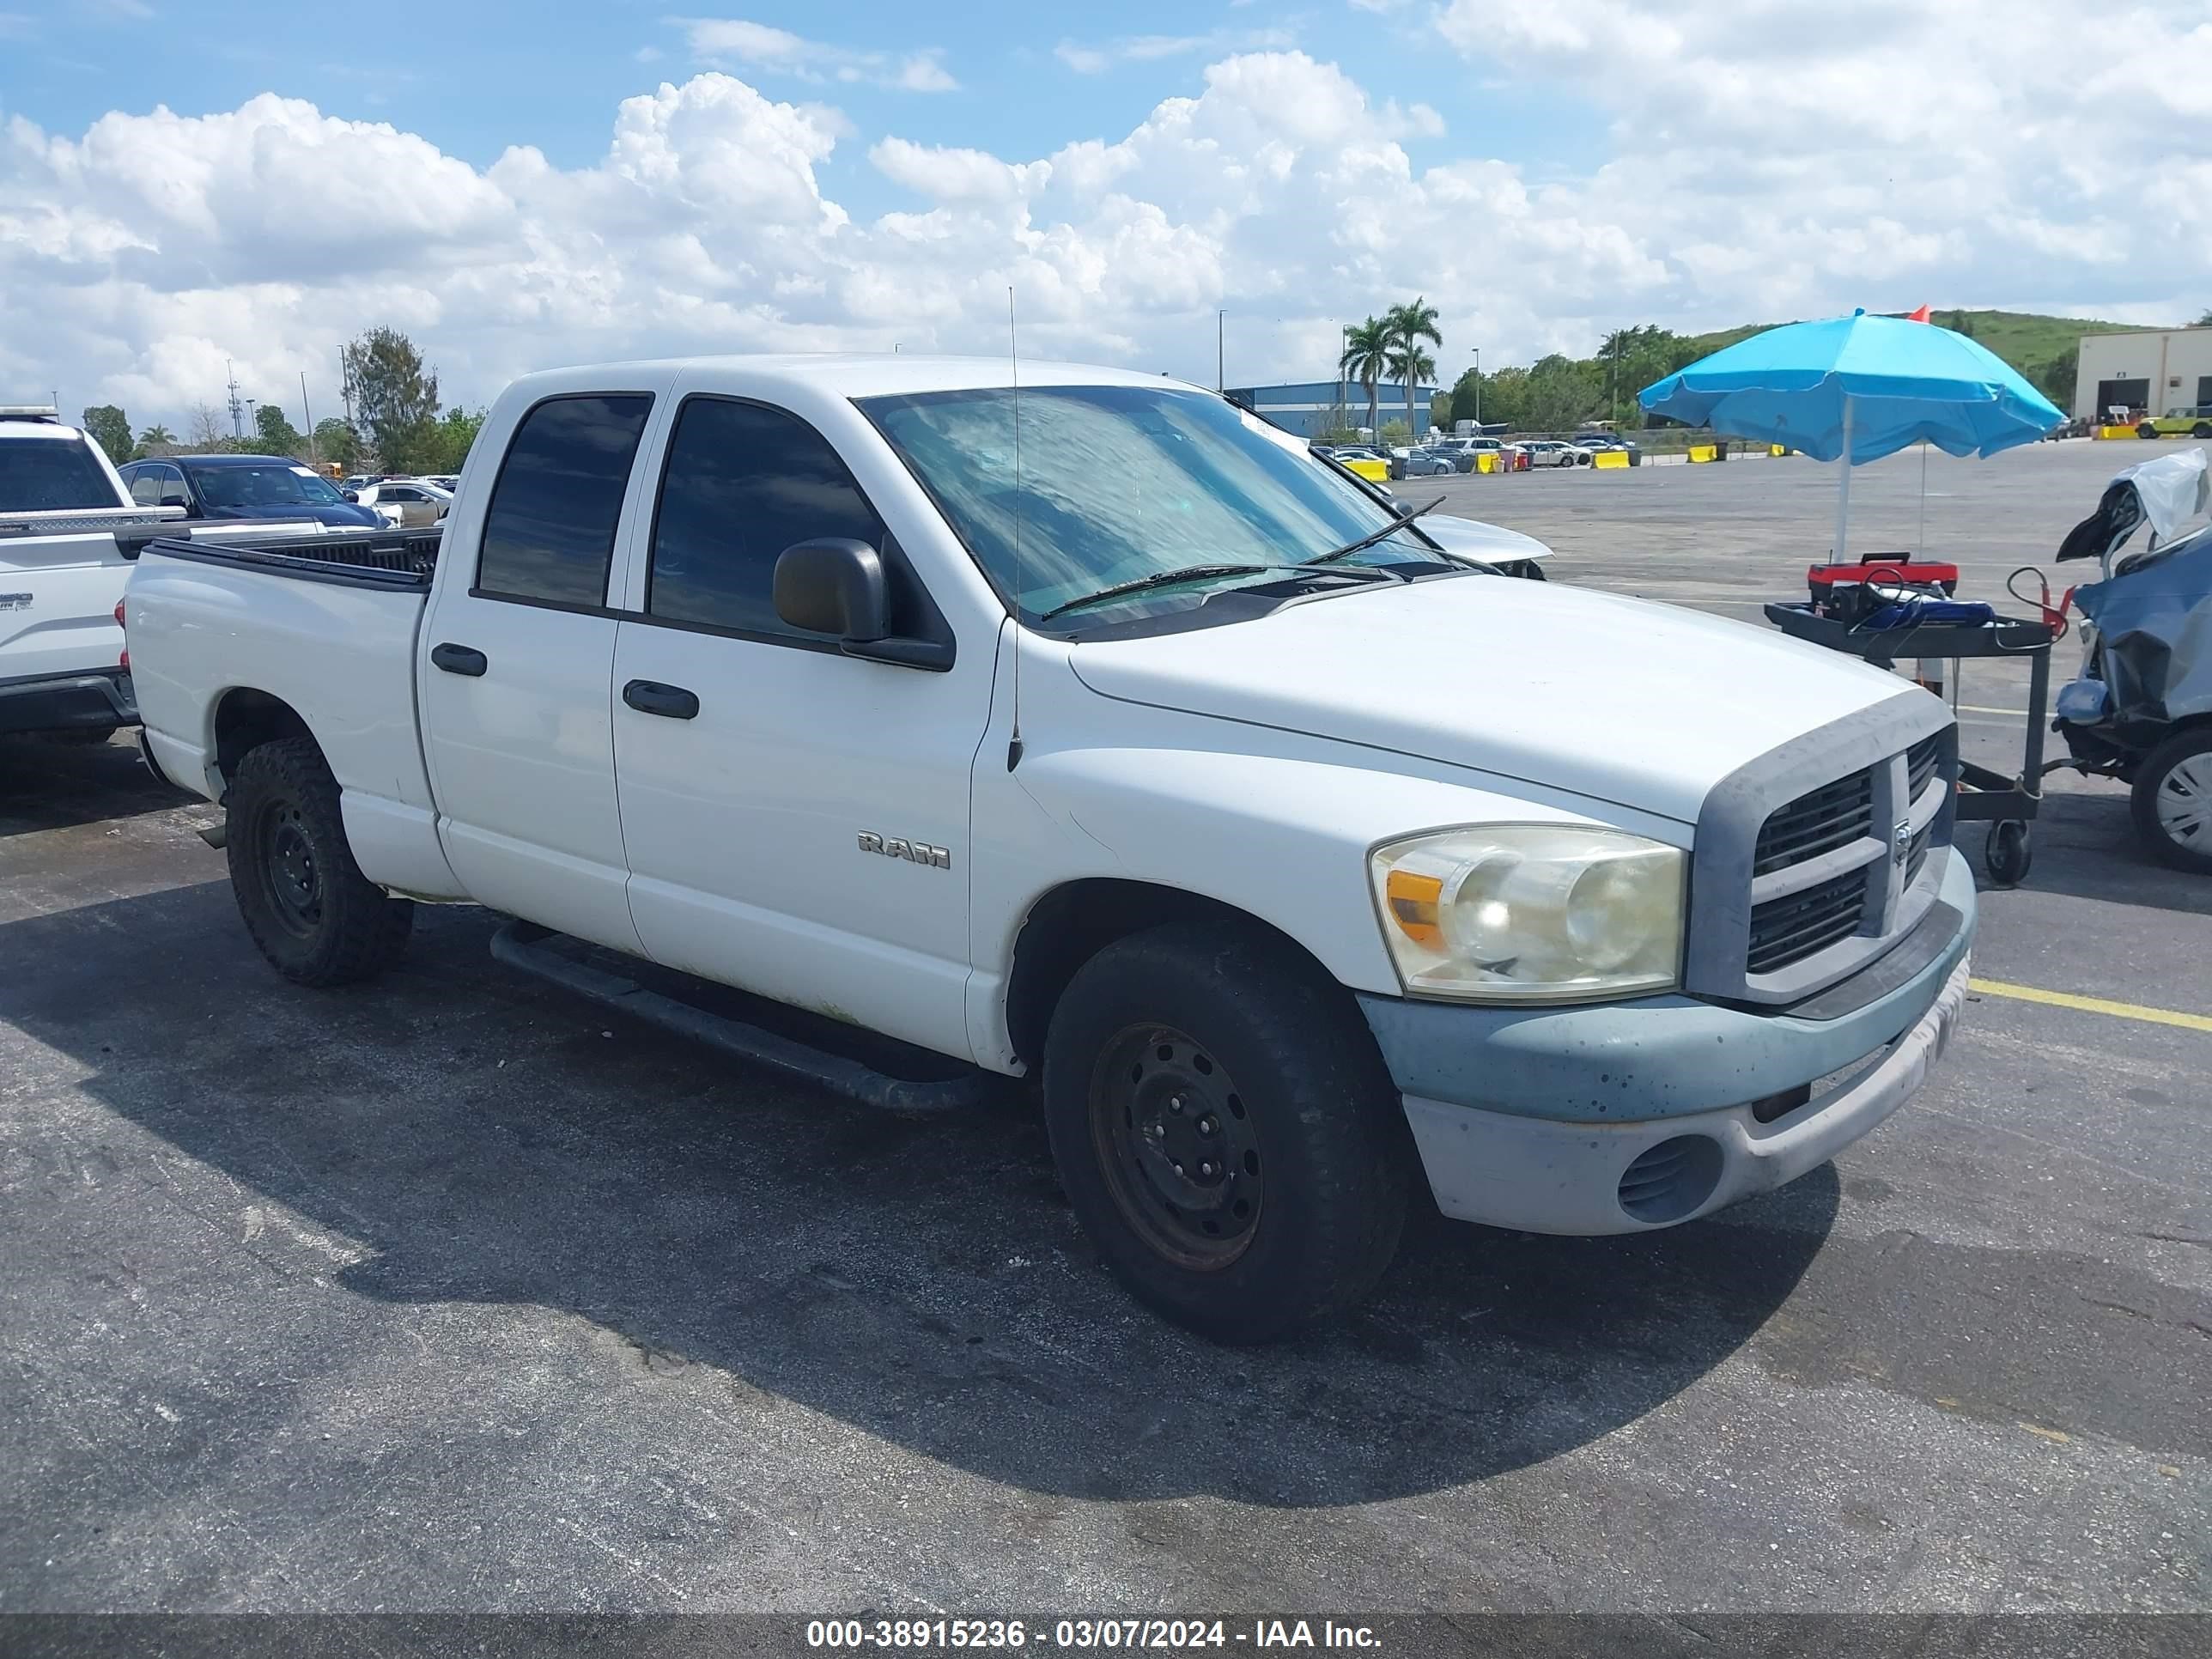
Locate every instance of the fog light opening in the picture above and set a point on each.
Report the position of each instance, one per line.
(1671, 1180)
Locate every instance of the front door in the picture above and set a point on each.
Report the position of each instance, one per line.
(514, 668)
(796, 818)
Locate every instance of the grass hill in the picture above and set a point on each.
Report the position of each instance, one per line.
(2025, 339)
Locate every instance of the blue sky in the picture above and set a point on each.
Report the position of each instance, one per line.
(518, 185)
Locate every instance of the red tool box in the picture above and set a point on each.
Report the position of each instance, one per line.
(1847, 592)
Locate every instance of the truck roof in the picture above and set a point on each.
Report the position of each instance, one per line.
(849, 374)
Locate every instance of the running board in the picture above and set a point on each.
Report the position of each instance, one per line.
(522, 945)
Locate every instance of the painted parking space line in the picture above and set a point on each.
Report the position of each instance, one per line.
(1997, 987)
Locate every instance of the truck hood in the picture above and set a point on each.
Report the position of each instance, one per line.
(1644, 705)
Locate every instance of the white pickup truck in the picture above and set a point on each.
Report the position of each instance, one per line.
(1088, 731)
(69, 529)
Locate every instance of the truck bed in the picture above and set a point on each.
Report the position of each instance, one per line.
(324, 626)
(374, 558)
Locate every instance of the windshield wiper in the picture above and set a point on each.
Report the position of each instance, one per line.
(1189, 573)
(1364, 542)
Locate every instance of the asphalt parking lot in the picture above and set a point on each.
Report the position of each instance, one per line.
(448, 1294)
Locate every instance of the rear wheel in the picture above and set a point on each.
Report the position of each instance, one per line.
(315, 916)
(2173, 800)
(1225, 1130)
(2202, 429)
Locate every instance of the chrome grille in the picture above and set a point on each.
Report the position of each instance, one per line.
(1819, 821)
(1792, 927)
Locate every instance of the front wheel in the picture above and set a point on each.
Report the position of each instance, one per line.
(2173, 800)
(315, 916)
(2146, 430)
(1225, 1130)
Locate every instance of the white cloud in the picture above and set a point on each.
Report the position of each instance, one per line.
(736, 43)
(1096, 58)
(154, 246)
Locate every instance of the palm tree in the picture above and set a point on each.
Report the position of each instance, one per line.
(1406, 326)
(1366, 359)
(155, 435)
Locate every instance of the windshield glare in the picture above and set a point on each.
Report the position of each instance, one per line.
(264, 486)
(1119, 483)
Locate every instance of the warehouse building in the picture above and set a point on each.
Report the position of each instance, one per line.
(1310, 408)
(2155, 371)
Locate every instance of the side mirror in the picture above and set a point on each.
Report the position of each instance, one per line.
(834, 585)
(353, 495)
(172, 499)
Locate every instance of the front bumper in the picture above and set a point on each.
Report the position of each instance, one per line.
(1533, 1119)
(64, 703)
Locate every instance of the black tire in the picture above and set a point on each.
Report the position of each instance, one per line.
(1216, 1036)
(2170, 779)
(315, 916)
(2009, 852)
(2202, 429)
(2146, 430)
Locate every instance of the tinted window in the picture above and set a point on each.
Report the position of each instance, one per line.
(743, 483)
(275, 485)
(145, 485)
(549, 531)
(52, 474)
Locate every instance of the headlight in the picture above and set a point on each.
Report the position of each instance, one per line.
(1531, 913)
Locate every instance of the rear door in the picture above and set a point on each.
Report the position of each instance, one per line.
(797, 818)
(516, 656)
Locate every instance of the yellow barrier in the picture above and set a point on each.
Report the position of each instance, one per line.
(1485, 461)
(2116, 432)
(1705, 451)
(1373, 471)
(1610, 458)
(1777, 449)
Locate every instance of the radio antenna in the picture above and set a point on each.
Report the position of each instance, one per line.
(1014, 358)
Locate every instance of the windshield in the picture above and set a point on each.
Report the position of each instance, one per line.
(52, 474)
(264, 486)
(1120, 483)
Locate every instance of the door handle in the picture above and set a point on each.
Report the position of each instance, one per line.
(652, 697)
(459, 660)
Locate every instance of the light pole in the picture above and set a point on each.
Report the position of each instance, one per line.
(1478, 390)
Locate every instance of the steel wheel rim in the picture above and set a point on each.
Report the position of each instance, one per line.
(291, 879)
(2184, 801)
(1177, 1145)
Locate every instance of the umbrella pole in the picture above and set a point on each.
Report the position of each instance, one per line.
(1843, 490)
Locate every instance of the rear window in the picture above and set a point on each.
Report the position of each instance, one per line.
(549, 530)
(52, 474)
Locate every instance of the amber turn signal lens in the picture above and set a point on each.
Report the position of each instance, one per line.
(1414, 900)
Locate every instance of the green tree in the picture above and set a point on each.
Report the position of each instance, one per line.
(2054, 380)
(111, 429)
(1394, 432)
(337, 441)
(156, 433)
(1442, 410)
(278, 435)
(395, 395)
(2203, 321)
(1408, 326)
(1366, 359)
(1562, 393)
(456, 435)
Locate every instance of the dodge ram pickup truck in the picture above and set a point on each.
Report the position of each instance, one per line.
(1081, 730)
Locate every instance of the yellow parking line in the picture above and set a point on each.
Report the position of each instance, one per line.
(1997, 988)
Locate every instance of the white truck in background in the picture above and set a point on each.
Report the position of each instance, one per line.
(69, 531)
(1088, 731)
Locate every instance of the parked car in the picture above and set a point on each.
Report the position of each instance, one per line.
(1277, 917)
(407, 500)
(69, 529)
(1429, 463)
(218, 487)
(1594, 441)
(1550, 452)
(2189, 422)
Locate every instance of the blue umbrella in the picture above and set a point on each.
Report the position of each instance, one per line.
(1858, 386)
